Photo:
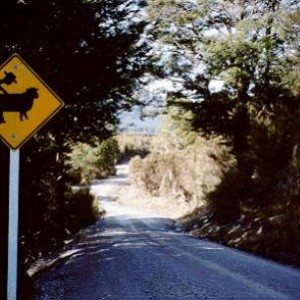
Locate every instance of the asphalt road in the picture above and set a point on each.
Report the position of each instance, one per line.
(131, 256)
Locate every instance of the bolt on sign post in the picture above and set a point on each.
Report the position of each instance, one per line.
(26, 104)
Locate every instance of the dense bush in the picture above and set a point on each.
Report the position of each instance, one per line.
(240, 83)
(133, 144)
(189, 174)
(258, 213)
(102, 41)
(49, 212)
(108, 154)
(88, 162)
(82, 209)
(41, 198)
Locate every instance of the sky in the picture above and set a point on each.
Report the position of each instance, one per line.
(132, 123)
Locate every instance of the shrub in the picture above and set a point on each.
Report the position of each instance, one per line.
(134, 144)
(82, 161)
(107, 154)
(224, 201)
(82, 209)
(88, 162)
(190, 173)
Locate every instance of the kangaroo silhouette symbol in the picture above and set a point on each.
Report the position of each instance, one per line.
(21, 103)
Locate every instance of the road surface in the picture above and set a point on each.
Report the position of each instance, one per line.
(132, 255)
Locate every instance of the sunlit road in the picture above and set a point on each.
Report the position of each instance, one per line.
(130, 256)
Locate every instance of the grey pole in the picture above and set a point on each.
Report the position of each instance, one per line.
(12, 274)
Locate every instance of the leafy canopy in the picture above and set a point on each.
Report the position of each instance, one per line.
(85, 50)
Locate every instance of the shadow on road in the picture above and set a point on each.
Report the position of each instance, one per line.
(127, 257)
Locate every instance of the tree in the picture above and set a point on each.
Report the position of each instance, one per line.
(175, 131)
(242, 44)
(84, 50)
(250, 49)
(90, 53)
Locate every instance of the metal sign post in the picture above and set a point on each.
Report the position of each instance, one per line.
(13, 224)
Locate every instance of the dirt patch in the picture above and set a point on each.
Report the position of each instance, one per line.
(156, 206)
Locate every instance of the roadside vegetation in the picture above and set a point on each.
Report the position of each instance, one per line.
(86, 51)
(131, 144)
(181, 163)
(231, 137)
(89, 162)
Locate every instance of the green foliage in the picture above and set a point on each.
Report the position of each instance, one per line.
(108, 154)
(39, 199)
(82, 210)
(181, 163)
(224, 201)
(88, 63)
(246, 48)
(82, 160)
(252, 48)
(175, 131)
(86, 51)
(90, 162)
(131, 145)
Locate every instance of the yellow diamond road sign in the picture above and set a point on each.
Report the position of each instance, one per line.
(26, 102)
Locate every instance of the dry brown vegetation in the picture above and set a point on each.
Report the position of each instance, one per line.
(188, 174)
(133, 144)
(272, 233)
(204, 175)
